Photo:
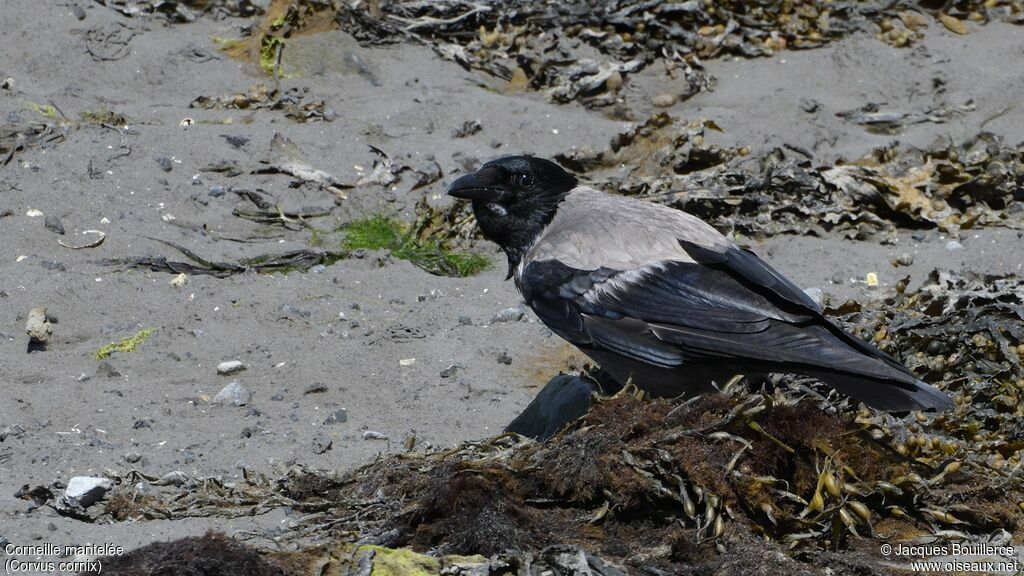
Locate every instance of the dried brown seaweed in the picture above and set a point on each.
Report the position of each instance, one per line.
(952, 186)
(581, 49)
(293, 102)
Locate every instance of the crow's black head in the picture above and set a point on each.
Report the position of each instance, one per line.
(513, 199)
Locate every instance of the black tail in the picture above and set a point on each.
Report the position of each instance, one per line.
(886, 394)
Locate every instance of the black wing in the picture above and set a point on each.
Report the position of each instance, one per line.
(729, 306)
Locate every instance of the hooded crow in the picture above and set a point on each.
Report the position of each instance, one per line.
(657, 295)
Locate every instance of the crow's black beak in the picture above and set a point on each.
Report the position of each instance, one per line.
(470, 188)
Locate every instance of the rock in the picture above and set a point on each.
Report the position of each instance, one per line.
(337, 417)
(953, 245)
(510, 314)
(107, 370)
(504, 358)
(165, 163)
(315, 388)
(233, 393)
(53, 224)
(290, 311)
(179, 280)
(664, 100)
(465, 320)
(374, 435)
(235, 141)
(38, 326)
(86, 490)
(905, 259)
(321, 444)
(230, 367)
(450, 371)
(78, 11)
(919, 235)
(53, 265)
(815, 294)
(809, 105)
(216, 191)
(277, 397)
(132, 457)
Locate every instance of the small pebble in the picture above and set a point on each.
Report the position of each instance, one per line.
(504, 358)
(374, 435)
(664, 100)
(465, 320)
(53, 224)
(450, 371)
(905, 259)
(321, 444)
(132, 457)
(230, 367)
(165, 163)
(216, 191)
(315, 388)
(511, 314)
(337, 417)
(953, 245)
(919, 235)
(816, 294)
(234, 393)
(107, 370)
(53, 265)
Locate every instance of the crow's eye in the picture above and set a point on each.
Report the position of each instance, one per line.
(525, 180)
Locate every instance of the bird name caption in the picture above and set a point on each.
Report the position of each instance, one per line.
(958, 557)
(51, 558)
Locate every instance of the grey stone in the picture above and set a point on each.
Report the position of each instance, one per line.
(85, 490)
(53, 265)
(953, 245)
(510, 314)
(815, 294)
(465, 320)
(322, 444)
(374, 435)
(664, 100)
(230, 367)
(38, 326)
(234, 393)
(132, 457)
(53, 224)
(107, 370)
(315, 388)
(919, 235)
(504, 358)
(337, 417)
(165, 163)
(905, 259)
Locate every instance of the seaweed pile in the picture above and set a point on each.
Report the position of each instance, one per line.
(951, 186)
(791, 468)
(582, 49)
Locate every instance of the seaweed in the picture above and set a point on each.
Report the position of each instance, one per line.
(125, 344)
(382, 233)
(951, 186)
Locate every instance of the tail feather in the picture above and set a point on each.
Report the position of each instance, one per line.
(887, 395)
